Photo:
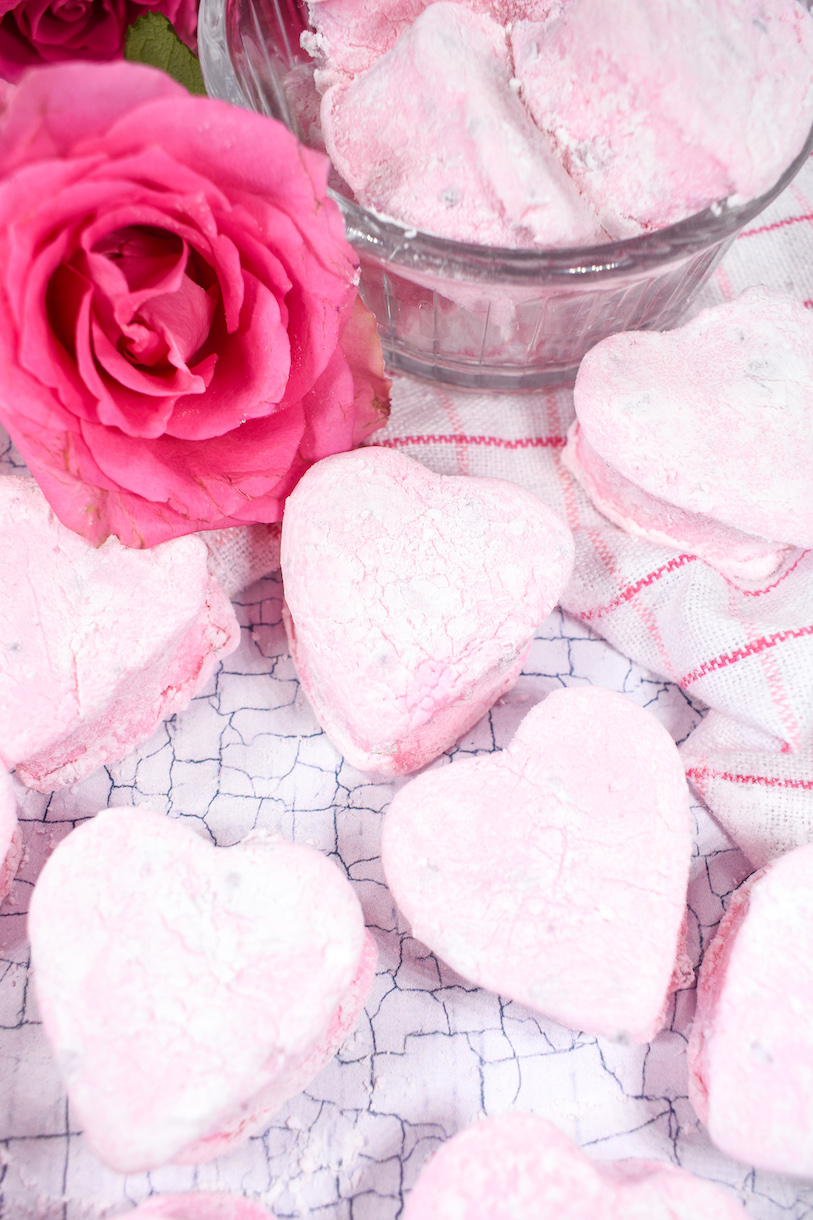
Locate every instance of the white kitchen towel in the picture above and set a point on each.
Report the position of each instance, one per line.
(240, 555)
(762, 795)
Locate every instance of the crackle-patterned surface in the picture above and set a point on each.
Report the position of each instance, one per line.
(431, 1053)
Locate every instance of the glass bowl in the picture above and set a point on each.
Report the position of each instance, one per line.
(481, 317)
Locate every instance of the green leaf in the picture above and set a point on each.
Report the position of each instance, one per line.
(151, 39)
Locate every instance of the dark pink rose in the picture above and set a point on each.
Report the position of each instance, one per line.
(180, 333)
(36, 32)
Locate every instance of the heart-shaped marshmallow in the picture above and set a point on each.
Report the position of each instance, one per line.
(199, 1207)
(554, 872)
(97, 644)
(412, 599)
(751, 1049)
(10, 841)
(715, 419)
(521, 1167)
(188, 991)
(733, 552)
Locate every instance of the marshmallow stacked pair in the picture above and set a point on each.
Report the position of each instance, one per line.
(702, 438)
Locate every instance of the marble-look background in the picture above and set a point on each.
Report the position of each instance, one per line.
(431, 1053)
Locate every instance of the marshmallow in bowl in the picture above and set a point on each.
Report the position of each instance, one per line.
(544, 123)
(522, 1167)
(702, 437)
(630, 96)
(348, 36)
(554, 872)
(751, 1047)
(188, 991)
(411, 599)
(97, 644)
(458, 155)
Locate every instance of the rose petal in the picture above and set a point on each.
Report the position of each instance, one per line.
(183, 475)
(121, 372)
(251, 375)
(314, 302)
(34, 32)
(81, 349)
(52, 297)
(139, 414)
(183, 318)
(131, 265)
(52, 108)
(251, 384)
(288, 179)
(66, 206)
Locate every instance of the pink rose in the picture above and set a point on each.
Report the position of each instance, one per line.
(35, 32)
(180, 334)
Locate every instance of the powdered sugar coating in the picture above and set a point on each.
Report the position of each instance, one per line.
(412, 599)
(554, 872)
(612, 115)
(630, 96)
(716, 417)
(751, 1050)
(296, 1076)
(99, 644)
(734, 553)
(521, 1166)
(350, 35)
(183, 988)
(458, 153)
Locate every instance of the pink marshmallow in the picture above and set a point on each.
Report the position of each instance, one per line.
(412, 599)
(714, 420)
(550, 123)
(555, 871)
(198, 1207)
(98, 644)
(631, 95)
(521, 1167)
(188, 991)
(348, 36)
(751, 1049)
(734, 553)
(434, 134)
(10, 840)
